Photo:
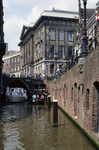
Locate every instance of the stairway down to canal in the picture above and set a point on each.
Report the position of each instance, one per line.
(30, 127)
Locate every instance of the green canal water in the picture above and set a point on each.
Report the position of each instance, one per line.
(30, 127)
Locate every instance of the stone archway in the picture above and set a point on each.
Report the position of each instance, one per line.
(95, 108)
(75, 99)
(17, 83)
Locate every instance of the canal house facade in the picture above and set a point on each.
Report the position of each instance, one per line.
(47, 43)
(11, 63)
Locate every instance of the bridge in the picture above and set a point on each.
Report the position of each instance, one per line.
(29, 84)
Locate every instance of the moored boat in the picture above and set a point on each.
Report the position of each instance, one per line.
(16, 95)
(38, 96)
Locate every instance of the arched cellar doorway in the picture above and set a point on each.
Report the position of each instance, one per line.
(95, 108)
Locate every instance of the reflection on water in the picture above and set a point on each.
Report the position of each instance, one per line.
(28, 127)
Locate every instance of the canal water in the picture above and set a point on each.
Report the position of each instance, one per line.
(30, 127)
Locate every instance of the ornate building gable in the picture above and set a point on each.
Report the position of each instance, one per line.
(24, 31)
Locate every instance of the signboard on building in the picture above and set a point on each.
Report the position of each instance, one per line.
(97, 17)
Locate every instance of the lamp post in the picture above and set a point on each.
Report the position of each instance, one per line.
(84, 46)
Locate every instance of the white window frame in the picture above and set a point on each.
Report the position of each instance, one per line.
(42, 35)
(14, 67)
(42, 52)
(18, 58)
(18, 67)
(52, 34)
(61, 35)
(14, 59)
(70, 36)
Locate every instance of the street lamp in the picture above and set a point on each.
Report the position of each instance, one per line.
(84, 46)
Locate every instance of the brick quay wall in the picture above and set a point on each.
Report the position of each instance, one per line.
(77, 92)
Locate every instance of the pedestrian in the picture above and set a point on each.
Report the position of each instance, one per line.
(42, 97)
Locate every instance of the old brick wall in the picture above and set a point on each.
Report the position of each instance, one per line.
(77, 93)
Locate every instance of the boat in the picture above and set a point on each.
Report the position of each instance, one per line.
(16, 95)
(39, 100)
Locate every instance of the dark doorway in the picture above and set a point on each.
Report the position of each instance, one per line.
(95, 108)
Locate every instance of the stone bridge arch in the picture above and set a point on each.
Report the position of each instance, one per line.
(42, 86)
(17, 83)
(27, 83)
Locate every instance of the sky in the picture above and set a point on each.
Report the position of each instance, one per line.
(22, 12)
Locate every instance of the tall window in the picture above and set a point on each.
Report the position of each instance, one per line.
(36, 39)
(70, 36)
(52, 34)
(42, 35)
(15, 68)
(69, 51)
(6, 62)
(18, 59)
(61, 51)
(61, 35)
(12, 68)
(39, 54)
(42, 52)
(39, 37)
(51, 69)
(18, 67)
(52, 52)
(36, 54)
(87, 99)
(9, 70)
(15, 59)
(12, 60)
(78, 94)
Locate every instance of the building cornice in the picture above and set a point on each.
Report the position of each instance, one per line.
(12, 55)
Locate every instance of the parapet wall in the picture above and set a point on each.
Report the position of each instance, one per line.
(77, 92)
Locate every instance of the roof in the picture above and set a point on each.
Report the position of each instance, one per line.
(46, 13)
(11, 54)
(89, 13)
(57, 14)
(60, 13)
